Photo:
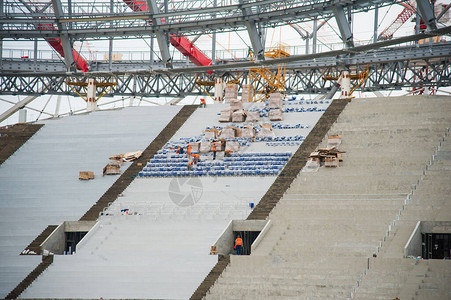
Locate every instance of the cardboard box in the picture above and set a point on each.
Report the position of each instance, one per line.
(253, 116)
(231, 92)
(225, 115)
(275, 115)
(239, 116)
(86, 175)
(266, 132)
(211, 133)
(248, 132)
(247, 93)
(227, 133)
(266, 125)
(194, 147)
(275, 100)
(220, 145)
(232, 146)
(236, 104)
(204, 147)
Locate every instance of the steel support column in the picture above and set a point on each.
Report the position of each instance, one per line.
(163, 43)
(110, 46)
(1, 39)
(376, 21)
(65, 42)
(254, 34)
(343, 25)
(427, 13)
(315, 34)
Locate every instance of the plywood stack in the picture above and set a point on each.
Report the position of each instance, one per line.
(329, 156)
(112, 169)
(333, 141)
(86, 175)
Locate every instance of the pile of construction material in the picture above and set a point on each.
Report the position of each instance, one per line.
(329, 156)
(247, 93)
(234, 113)
(116, 161)
(275, 105)
(266, 131)
(86, 175)
(231, 92)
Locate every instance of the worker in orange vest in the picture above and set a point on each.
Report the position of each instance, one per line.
(188, 151)
(214, 151)
(238, 244)
(190, 165)
(202, 103)
(227, 153)
(195, 158)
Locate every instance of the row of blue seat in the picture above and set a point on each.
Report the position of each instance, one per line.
(258, 158)
(244, 154)
(283, 144)
(210, 173)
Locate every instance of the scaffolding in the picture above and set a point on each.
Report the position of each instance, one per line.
(265, 80)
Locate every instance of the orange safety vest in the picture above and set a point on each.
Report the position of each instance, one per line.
(202, 100)
(238, 242)
(214, 148)
(188, 150)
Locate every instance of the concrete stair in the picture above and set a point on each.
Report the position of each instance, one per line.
(329, 223)
(46, 261)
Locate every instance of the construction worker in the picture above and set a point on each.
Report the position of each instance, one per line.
(190, 165)
(203, 103)
(188, 151)
(179, 150)
(213, 148)
(227, 153)
(195, 158)
(238, 244)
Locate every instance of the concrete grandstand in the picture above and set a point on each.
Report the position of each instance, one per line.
(336, 233)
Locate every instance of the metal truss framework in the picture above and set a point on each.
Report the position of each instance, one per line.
(384, 74)
(99, 20)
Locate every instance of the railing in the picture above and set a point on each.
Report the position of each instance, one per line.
(142, 55)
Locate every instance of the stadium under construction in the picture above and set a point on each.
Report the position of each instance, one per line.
(225, 149)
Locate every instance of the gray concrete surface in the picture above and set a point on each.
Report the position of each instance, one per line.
(329, 224)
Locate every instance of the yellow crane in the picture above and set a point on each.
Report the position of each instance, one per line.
(269, 81)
